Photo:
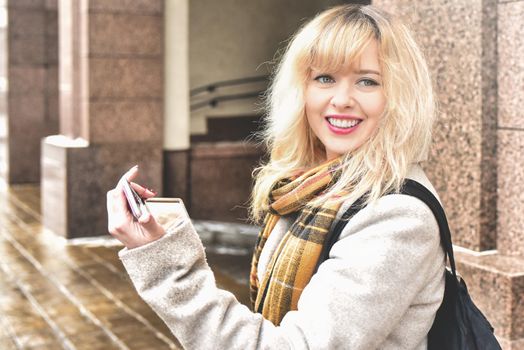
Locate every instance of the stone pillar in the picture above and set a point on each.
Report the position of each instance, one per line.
(32, 75)
(176, 96)
(111, 107)
(460, 42)
(510, 240)
(510, 149)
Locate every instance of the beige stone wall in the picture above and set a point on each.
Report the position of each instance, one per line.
(233, 39)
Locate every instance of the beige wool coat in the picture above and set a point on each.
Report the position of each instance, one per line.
(379, 289)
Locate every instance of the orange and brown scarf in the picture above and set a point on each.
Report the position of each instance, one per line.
(294, 261)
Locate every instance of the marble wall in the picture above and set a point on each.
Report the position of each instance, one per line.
(475, 51)
(510, 238)
(32, 73)
(458, 40)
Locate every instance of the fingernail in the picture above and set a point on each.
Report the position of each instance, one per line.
(152, 190)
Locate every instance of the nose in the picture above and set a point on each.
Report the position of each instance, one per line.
(342, 97)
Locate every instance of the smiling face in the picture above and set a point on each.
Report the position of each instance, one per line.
(343, 108)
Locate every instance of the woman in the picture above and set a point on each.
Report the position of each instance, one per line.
(350, 115)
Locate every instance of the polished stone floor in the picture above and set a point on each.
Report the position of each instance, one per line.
(56, 294)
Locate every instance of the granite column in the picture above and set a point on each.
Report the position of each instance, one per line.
(474, 53)
(111, 110)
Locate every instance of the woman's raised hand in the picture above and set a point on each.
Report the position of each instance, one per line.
(121, 223)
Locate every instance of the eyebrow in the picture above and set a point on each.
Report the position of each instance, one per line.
(368, 71)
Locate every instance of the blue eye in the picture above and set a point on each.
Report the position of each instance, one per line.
(367, 82)
(325, 79)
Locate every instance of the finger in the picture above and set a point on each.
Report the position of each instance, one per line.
(145, 218)
(119, 207)
(113, 205)
(148, 222)
(142, 191)
(129, 175)
(118, 215)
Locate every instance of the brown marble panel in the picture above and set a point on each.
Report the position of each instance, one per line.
(27, 50)
(24, 110)
(125, 34)
(51, 4)
(454, 35)
(125, 78)
(176, 175)
(511, 64)
(85, 174)
(496, 283)
(25, 4)
(51, 20)
(52, 51)
(51, 36)
(28, 80)
(130, 6)
(220, 180)
(130, 121)
(24, 154)
(29, 87)
(510, 238)
(51, 80)
(25, 22)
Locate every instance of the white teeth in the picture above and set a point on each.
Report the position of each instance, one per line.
(343, 123)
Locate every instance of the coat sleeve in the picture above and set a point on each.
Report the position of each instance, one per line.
(385, 256)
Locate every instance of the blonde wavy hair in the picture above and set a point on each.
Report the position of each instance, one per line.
(330, 42)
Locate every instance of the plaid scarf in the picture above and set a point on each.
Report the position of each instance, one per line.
(293, 263)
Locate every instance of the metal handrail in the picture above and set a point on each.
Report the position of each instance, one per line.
(212, 87)
(213, 102)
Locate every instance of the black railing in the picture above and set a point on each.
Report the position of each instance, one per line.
(214, 101)
(241, 81)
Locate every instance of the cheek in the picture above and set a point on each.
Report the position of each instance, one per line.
(310, 106)
(313, 100)
(375, 105)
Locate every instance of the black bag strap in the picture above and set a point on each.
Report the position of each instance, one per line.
(412, 188)
(415, 189)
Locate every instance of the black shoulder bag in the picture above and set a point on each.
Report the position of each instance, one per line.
(459, 324)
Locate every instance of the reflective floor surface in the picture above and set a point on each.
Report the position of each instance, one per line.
(56, 294)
